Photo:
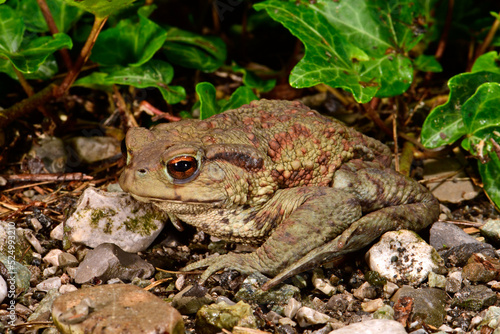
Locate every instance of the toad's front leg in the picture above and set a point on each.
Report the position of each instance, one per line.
(321, 214)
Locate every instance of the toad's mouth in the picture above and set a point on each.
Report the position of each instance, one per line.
(158, 201)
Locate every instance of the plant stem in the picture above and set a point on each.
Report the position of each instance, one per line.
(82, 58)
(26, 106)
(444, 36)
(54, 30)
(369, 108)
(489, 38)
(24, 83)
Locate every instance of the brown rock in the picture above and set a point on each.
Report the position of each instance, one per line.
(116, 308)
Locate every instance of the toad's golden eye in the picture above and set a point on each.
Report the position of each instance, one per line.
(182, 167)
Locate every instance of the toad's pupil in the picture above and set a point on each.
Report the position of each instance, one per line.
(183, 166)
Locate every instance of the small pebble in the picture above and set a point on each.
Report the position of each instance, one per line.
(365, 291)
(49, 284)
(307, 317)
(436, 280)
(291, 308)
(372, 305)
(52, 257)
(389, 289)
(65, 288)
(287, 321)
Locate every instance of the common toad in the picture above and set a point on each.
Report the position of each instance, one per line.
(306, 188)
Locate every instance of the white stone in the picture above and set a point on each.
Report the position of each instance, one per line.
(377, 326)
(49, 284)
(103, 217)
(291, 308)
(402, 256)
(324, 286)
(52, 257)
(307, 317)
(3, 289)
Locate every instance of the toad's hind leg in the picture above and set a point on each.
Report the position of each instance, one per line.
(393, 202)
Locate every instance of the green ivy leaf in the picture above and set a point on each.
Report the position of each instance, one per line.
(129, 43)
(209, 106)
(100, 8)
(427, 63)
(155, 73)
(206, 92)
(64, 15)
(242, 95)
(46, 70)
(445, 124)
(482, 119)
(34, 53)
(11, 30)
(357, 45)
(487, 62)
(184, 48)
(251, 80)
(489, 174)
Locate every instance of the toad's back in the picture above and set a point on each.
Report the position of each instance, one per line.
(297, 145)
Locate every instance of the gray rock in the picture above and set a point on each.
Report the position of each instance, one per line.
(51, 152)
(459, 255)
(103, 217)
(191, 299)
(428, 304)
(213, 318)
(341, 302)
(42, 311)
(117, 308)
(92, 149)
(446, 236)
(67, 260)
(109, 261)
(453, 282)
(491, 230)
(372, 327)
(474, 297)
(23, 275)
(274, 299)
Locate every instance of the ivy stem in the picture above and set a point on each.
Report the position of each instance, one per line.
(444, 35)
(82, 58)
(24, 83)
(54, 30)
(489, 38)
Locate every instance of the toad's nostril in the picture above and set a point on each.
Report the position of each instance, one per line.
(142, 171)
